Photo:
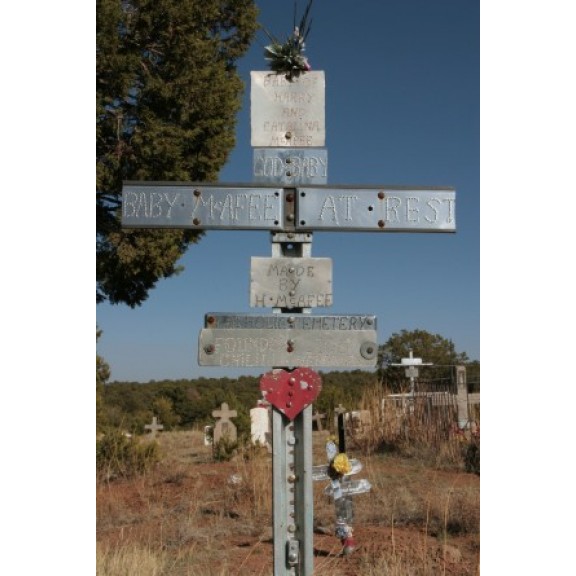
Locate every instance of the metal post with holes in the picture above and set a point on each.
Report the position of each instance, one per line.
(290, 154)
(293, 499)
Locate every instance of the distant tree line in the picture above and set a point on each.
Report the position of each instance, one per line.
(183, 404)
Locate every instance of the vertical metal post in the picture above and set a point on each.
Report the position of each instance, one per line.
(304, 491)
(280, 491)
(293, 497)
(341, 433)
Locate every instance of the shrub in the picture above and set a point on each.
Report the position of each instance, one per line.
(472, 456)
(120, 456)
(224, 449)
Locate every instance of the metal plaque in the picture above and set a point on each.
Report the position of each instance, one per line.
(382, 209)
(205, 207)
(290, 166)
(411, 361)
(290, 282)
(288, 114)
(287, 348)
(299, 321)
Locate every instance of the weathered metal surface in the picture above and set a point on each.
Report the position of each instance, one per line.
(290, 282)
(287, 348)
(168, 205)
(285, 321)
(381, 209)
(291, 392)
(303, 490)
(293, 497)
(349, 488)
(288, 114)
(290, 166)
(244, 207)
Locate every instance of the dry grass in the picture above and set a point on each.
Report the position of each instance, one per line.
(193, 516)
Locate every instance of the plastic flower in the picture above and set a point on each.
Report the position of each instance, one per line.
(287, 57)
(341, 464)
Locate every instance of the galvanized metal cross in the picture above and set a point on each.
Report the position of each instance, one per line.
(290, 198)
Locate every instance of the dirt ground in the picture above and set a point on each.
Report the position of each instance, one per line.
(211, 517)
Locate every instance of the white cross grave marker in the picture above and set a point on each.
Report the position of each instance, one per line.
(154, 427)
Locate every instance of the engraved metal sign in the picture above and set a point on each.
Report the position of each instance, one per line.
(266, 207)
(376, 209)
(290, 282)
(288, 348)
(299, 321)
(169, 205)
(289, 114)
(290, 166)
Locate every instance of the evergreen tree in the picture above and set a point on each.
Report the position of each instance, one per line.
(102, 376)
(167, 97)
(431, 348)
(163, 408)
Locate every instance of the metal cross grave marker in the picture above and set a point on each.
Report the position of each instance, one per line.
(411, 364)
(289, 197)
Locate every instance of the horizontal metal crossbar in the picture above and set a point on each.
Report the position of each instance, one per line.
(300, 209)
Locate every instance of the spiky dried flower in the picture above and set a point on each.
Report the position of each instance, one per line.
(288, 57)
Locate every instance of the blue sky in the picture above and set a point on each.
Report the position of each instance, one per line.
(402, 108)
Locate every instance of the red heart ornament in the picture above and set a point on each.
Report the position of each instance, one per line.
(291, 392)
